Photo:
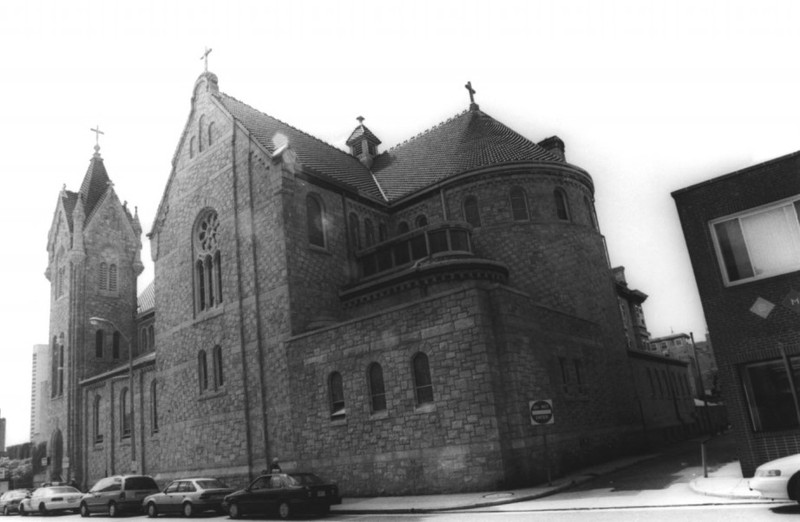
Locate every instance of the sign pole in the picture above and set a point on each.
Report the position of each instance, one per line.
(547, 457)
(541, 412)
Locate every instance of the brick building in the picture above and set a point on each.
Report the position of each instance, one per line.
(381, 317)
(743, 237)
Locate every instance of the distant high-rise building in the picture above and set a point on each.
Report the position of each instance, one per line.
(39, 373)
(2, 435)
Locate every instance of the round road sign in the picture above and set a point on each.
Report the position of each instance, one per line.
(541, 412)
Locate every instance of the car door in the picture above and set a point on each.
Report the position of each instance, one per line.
(273, 493)
(253, 499)
(170, 502)
(93, 498)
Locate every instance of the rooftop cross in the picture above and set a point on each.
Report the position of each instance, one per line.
(97, 133)
(360, 120)
(472, 92)
(205, 57)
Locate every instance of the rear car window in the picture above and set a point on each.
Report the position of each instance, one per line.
(140, 483)
(212, 484)
(306, 479)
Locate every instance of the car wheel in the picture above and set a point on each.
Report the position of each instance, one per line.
(84, 510)
(188, 510)
(42, 509)
(233, 510)
(152, 510)
(22, 511)
(112, 509)
(284, 510)
(5, 511)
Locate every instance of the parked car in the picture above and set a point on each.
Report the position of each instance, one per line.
(187, 497)
(9, 501)
(284, 494)
(778, 479)
(118, 494)
(51, 499)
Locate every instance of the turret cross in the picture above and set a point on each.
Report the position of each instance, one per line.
(472, 92)
(205, 57)
(97, 133)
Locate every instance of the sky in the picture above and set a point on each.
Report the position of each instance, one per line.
(649, 97)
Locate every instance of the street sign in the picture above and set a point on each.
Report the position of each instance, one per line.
(541, 412)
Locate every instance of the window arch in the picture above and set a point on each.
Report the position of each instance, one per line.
(336, 395)
(218, 376)
(207, 265)
(590, 211)
(154, 406)
(115, 345)
(369, 233)
(421, 221)
(212, 130)
(562, 207)
(125, 414)
(519, 204)
(112, 277)
(471, 213)
(377, 391)
(96, 433)
(103, 276)
(402, 227)
(315, 222)
(202, 371)
(355, 232)
(423, 387)
(98, 343)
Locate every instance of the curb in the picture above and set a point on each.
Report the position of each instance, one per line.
(693, 485)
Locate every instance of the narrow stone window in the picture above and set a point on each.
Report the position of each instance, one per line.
(471, 213)
(103, 276)
(192, 146)
(125, 414)
(519, 204)
(355, 232)
(422, 379)
(200, 126)
(61, 368)
(369, 233)
(151, 335)
(112, 277)
(202, 371)
(377, 391)
(212, 131)
(218, 377)
(98, 343)
(562, 207)
(383, 233)
(208, 262)
(154, 406)
(314, 217)
(336, 394)
(53, 367)
(98, 436)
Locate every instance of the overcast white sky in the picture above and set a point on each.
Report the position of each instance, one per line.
(649, 97)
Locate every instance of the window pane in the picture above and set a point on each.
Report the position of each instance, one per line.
(459, 240)
(471, 214)
(519, 207)
(314, 216)
(772, 240)
(770, 396)
(337, 396)
(401, 254)
(438, 241)
(418, 247)
(422, 379)
(376, 388)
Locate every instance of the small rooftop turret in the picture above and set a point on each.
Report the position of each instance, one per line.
(363, 143)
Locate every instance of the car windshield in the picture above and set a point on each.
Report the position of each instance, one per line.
(63, 489)
(212, 484)
(140, 483)
(305, 479)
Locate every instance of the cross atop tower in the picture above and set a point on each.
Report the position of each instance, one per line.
(205, 57)
(360, 120)
(472, 104)
(97, 133)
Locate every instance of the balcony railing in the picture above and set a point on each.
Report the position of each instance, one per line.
(439, 240)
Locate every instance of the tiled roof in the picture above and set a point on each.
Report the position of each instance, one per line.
(147, 299)
(363, 131)
(470, 140)
(70, 199)
(95, 184)
(313, 153)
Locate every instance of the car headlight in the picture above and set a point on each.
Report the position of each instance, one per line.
(768, 473)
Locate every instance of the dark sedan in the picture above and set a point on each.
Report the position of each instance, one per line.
(283, 494)
(9, 501)
(187, 497)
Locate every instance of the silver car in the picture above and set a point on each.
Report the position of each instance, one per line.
(188, 497)
(51, 499)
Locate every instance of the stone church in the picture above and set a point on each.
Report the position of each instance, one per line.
(384, 318)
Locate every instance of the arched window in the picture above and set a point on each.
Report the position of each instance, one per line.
(54, 367)
(61, 366)
(202, 371)
(336, 394)
(402, 227)
(369, 232)
(562, 208)
(471, 214)
(355, 233)
(421, 221)
(519, 204)
(590, 212)
(217, 356)
(154, 406)
(211, 133)
(316, 230)
(208, 262)
(143, 345)
(98, 343)
(200, 125)
(422, 379)
(377, 391)
(383, 233)
(115, 346)
(96, 433)
(192, 146)
(125, 414)
(103, 276)
(112, 277)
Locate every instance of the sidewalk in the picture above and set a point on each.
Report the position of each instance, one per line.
(726, 481)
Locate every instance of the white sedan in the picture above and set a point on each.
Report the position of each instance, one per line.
(51, 499)
(778, 479)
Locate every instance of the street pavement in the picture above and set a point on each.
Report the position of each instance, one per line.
(724, 484)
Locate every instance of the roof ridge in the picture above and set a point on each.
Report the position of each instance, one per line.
(428, 130)
(337, 149)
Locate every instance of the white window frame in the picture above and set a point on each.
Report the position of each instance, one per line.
(790, 202)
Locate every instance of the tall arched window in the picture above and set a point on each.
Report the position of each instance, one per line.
(519, 204)
(336, 394)
(562, 208)
(314, 215)
(355, 233)
(125, 414)
(96, 433)
(112, 277)
(471, 213)
(421, 221)
(422, 379)
(590, 212)
(61, 366)
(115, 346)
(151, 333)
(402, 227)
(54, 367)
(202, 371)
(103, 276)
(200, 126)
(192, 146)
(212, 131)
(218, 377)
(154, 406)
(98, 343)
(383, 233)
(369, 232)
(208, 262)
(377, 391)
